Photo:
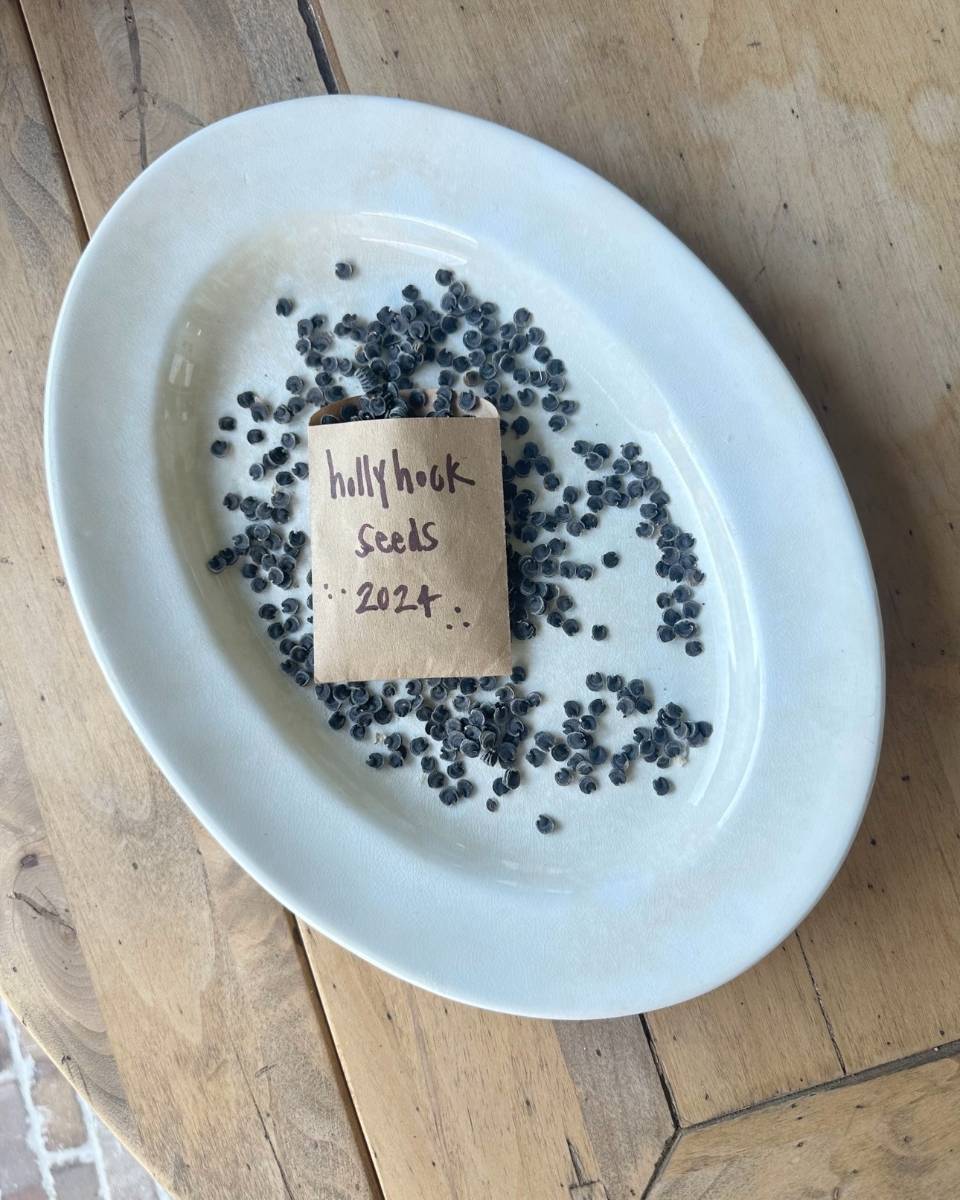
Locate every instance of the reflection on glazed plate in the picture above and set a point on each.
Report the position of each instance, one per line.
(637, 901)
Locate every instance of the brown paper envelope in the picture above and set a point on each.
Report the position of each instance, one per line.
(408, 547)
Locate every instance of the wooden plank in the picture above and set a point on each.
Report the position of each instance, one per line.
(760, 1036)
(809, 156)
(43, 973)
(900, 879)
(214, 1029)
(894, 1137)
(145, 73)
(460, 1103)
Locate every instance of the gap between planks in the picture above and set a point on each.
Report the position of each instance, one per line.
(326, 1033)
(76, 212)
(319, 37)
(894, 1067)
(664, 1078)
(823, 1009)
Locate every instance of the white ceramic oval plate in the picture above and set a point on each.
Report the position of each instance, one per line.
(636, 901)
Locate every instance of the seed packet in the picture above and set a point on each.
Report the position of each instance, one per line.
(408, 548)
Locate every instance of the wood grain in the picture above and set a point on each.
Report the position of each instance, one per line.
(895, 1137)
(217, 1041)
(460, 1103)
(145, 73)
(43, 973)
(808, 155)
(899, 884)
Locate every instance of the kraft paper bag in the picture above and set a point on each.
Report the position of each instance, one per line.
(408, 547)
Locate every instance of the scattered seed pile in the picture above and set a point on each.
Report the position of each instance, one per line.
(467, 351)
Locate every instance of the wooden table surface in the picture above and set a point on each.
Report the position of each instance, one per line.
(810, 154)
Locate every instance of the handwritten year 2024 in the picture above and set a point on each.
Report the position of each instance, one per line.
(382, 600)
